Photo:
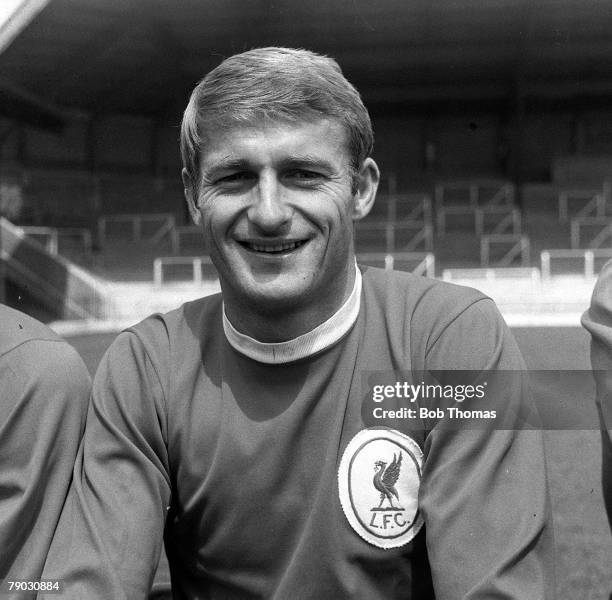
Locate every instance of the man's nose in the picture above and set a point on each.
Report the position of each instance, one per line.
(269, 211)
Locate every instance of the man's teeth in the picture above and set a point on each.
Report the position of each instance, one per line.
(278, 247)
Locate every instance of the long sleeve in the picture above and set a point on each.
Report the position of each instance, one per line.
(44, 395)
(597, 320)
(484, 494)
(108, 541)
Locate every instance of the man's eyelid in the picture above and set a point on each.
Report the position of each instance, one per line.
(310, 172)
(234, 175)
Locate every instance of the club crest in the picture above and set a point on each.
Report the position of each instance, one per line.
(378, 481)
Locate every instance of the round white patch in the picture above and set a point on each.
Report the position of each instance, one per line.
(378, 480)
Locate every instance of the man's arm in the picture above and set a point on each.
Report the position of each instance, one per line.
(598, 322)
(44, 395)
(108, 541)
(484, 494)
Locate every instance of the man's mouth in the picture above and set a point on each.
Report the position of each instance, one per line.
(273, 247)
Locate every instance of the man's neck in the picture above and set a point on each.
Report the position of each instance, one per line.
(273, 324)
(317, 339)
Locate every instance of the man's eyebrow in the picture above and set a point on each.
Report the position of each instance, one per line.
(226, 163)
(229, 163)
(307, 160)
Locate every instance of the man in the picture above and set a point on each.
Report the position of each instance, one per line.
(598, 322)
(44, 394)
(235, 426)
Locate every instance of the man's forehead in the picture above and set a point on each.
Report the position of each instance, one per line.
(221, 140)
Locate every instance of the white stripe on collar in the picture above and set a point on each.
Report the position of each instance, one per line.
(321, 337)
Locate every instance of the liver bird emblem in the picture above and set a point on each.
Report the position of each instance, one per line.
(385, 479)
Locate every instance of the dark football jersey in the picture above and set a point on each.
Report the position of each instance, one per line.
(598, 321)
(44, 392)
(271, 481)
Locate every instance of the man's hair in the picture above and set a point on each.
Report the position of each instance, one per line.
(280, 84)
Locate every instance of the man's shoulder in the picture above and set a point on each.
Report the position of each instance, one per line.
(420, 314)
(34, 347)
(35, 357)
(598, 317)
(190, 319)
(17, 328)
(409, 292)
(162, 336)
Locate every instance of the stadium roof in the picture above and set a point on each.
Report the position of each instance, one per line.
(144, 56)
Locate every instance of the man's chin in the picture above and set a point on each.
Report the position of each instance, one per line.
(273, 299)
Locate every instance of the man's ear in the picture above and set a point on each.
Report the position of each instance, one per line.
(366, 185)
(191, 198)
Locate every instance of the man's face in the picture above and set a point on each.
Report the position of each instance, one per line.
(276, 204)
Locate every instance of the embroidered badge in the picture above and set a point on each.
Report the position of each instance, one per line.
(378, 481)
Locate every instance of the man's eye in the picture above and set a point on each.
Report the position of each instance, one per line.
(235, 181)
(235, 177)
(305, 176)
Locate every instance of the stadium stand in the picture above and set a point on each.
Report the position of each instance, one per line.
(183, 236)
(196, 263)
(491, 119)
(52, 236)
(514, 246)
(600, 230)
(104, 192)
(419, 263)
(160, 226)
(593, 203)
(68, 290)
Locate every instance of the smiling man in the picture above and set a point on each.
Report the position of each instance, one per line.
(234, 426)
(276, 204)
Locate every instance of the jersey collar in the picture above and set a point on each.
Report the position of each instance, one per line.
(320, 338)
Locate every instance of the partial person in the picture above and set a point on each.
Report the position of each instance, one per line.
(597, 320)
(44, 396)
(233, 426)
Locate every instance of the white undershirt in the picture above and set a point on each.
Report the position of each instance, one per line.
(321, 337)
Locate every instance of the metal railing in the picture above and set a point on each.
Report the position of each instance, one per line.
(418, 263)
(593, 203)
(180, 232)
(492, 274)
(477, 192)
(517, 246)
(51, 236)
(508, 218)
(393, 237)
(196, 262)
(579, 223)
(415, 207)
(587, 256)
(166, 224)
(54, 280)
(474, 195)
(443, 212)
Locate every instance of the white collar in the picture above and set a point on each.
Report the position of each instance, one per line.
(321, 337)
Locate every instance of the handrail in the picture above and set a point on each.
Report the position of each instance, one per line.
(577, 223)
(196, 263)
(390, 230)
(519, 246)
(425, 262)
(167, 224)
(587, 255)
(179, 231)
(510, 219)
(53, 277)
(503, 192)
(594, 202)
